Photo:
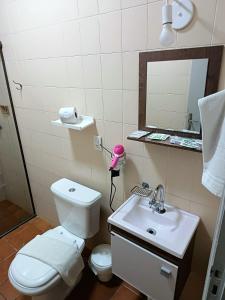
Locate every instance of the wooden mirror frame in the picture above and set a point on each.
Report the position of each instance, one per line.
(213, 54)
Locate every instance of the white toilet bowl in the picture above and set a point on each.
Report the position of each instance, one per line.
(37, 279)
(78, 209)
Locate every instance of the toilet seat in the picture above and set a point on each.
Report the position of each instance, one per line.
(30, 272)
(33, 276)
(34, 291)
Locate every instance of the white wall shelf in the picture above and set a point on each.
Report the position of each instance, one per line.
(86, 121)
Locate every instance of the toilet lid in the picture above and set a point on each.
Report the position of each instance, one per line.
(102, 256)
(30, 272)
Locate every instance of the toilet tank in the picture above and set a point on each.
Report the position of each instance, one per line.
(78, 207)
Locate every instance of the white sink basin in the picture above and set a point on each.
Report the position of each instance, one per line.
(171, 231)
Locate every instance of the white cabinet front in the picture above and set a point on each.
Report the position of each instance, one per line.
(149, 273)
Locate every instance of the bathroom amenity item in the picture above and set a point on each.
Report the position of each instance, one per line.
(212, 114)
(65, 258)
(69, 115)
(186, 142)
(85, 121)
(78, 209)
(158, 136)
(138, 134)
(118, 158)
(142, 191)
(117, 162)
(100, 262)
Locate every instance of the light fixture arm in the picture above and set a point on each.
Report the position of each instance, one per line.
(167, 15)
(183, 12)
(175, 16)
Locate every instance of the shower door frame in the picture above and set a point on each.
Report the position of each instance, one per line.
(20, 144)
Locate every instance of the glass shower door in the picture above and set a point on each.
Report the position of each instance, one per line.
(16, 205)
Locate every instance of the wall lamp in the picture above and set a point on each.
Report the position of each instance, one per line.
(175, 16)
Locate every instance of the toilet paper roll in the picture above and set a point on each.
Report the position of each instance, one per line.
(69, 115)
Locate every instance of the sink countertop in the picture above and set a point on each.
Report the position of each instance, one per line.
(171, 231)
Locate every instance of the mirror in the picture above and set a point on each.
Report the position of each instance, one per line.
(170, 84)
(173, 90)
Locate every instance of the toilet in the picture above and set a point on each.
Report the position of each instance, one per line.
(78, 209)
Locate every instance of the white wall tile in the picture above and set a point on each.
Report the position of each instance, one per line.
(112, 101)
(180, 184)
(219, 30)
(68, 11)
(132, 147)
(46, 43)
(89, 30)
(110, 32)
(111, 71)
(200, 31)
(71, 38)
(47, 72)
(52, 98)
(74, 69)
(47, 143)
(76, 97)
(130, 3)
(134, 28)
(92, 71)
(32, 98)
(108, 5)
(113, 134)
(87, 7)
(94, 103)
(130, 70)
(31, 14)
(130, 107)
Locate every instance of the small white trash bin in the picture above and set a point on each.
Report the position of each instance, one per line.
(100, 262)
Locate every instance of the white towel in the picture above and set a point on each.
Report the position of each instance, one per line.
(59, 255)
(212, 113)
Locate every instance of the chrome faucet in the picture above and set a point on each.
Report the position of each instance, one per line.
(158, 206)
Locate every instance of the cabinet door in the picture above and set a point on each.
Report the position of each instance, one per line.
(149, 273)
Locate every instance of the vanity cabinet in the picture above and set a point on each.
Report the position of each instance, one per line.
(155, 273)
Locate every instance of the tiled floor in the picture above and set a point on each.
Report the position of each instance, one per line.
(10, 215)
(89, 288)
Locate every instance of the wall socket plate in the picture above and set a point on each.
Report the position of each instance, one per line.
(98, 142)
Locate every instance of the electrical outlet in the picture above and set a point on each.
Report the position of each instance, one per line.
(98, 142)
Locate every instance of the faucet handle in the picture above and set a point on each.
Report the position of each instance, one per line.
(145, 185)
(152, 200)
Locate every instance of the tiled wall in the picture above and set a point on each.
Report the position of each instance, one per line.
(85, 53)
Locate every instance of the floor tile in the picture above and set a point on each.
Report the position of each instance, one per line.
(127, 285)
(8, 291)
(4, 266)
(19, 238)
(11, 215)
(123, 293)
(23, 297)
(90, 288)
(40, 224)
(5, 249)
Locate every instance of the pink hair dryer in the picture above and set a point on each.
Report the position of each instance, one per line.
(118, 158)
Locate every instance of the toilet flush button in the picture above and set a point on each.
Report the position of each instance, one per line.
(71, 190)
